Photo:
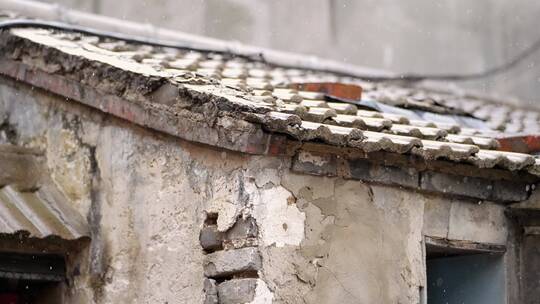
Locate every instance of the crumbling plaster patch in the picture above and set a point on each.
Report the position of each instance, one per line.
(255, 190)
(263, 295)
(227, 200)
(316, 160)
(280, 221)
(351, 228)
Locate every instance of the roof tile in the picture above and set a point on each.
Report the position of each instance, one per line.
(260, 87)
(435, 149)
(507, 160)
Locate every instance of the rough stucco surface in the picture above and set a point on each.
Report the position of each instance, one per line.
(146, 196)
(144, 214)
(363, 243)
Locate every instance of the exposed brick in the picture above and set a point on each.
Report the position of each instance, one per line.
(243, 228)
(315, 163)
(229, 262)
(237, 291)
(278, 145)
(210, 238)
(521, 144)
(364, 170)
(255, 142)
(242, 234)
(211, 292)
(457, 185)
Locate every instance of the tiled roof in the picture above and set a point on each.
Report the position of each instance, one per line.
(438, 128)
(505, 118)
(30, 206)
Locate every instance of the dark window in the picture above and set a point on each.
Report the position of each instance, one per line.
(30, 278)
(464, 276)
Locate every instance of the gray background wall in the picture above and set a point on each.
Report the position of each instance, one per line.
(424, 36)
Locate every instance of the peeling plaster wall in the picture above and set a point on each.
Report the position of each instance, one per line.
(363, 243)
(137, 191)
(146, 197)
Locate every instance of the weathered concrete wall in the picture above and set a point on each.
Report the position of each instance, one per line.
(131, 187)
(481, 222)
(531, 268)
(528, 219)
(147, 196)
(351, 230)
(414, 36)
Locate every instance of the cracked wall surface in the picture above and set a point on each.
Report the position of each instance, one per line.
(352, 230)
(168, 217)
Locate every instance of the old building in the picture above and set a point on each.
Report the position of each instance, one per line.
(135, 173)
